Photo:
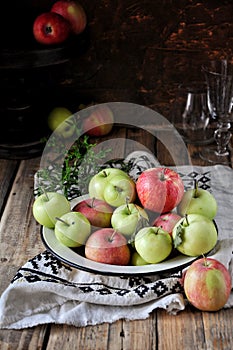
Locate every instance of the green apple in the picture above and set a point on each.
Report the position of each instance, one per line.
(194, 235)
(127, 218)
(153, 244)
(48, 206)
(120, 190)
(112, 185)
(198, 201)
(72, 229)
(57, 116)
(137, 260)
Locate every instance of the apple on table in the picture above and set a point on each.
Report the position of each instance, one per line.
(107, 246)
(50, 28)
(207, 284)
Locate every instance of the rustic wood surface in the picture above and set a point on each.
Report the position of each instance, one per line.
(20, 241)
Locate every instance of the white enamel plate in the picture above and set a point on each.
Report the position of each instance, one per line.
(75, 258)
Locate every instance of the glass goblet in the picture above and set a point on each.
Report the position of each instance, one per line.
(219, 79)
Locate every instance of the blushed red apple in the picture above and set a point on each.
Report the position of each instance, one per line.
(97, 211)
(160, 189)
(107, 246)
(207, 284)
(51, 28)
(167, 221)
(73, 12)
(99, 122)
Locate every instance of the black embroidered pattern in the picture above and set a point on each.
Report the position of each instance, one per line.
(160, 288)
(141, 290)
(49, 261)
(136, 281)
(138, 286)
(204, 180)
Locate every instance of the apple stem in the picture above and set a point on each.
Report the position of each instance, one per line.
(45, 193)
(112, 235)
(205, 260)
(63, 221)
(92, 202)
(195, 188)
(127, 204)
(186, 218)
(162, 176)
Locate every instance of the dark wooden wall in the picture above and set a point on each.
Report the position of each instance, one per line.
(140, 50)
(132, 51)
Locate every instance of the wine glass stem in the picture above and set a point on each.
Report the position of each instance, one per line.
(222, 137)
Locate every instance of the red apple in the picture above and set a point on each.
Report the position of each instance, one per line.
(160, 189)
(167, 221)
(99, 122)
(73, 12)
(107, 246)
(207, 284)
(50, 28)
(97, 211)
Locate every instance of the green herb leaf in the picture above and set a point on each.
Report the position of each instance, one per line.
(179, 236)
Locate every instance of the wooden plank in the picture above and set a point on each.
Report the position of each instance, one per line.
(140, 334)
(115, 141)
(19, 233)
(99, 337)
(139, 140)
(7, 174)
(218, 329)
(31, 338)
(181, 331)
(19, 241)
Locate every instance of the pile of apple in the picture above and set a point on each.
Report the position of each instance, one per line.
(65, 18)
(125, 222)
(133, 222)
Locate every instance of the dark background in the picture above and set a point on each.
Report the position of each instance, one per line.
(133, 51)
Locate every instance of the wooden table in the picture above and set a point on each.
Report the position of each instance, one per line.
(20, 241)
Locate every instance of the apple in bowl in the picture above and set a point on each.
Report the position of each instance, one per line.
(48, 206)
(107, 246)
(198, 201)
(72, 229)
(167, 221)
(97, 211)
(128, 217)
(159, 189)
(112, 185)
(195, 235)
(153, 244)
